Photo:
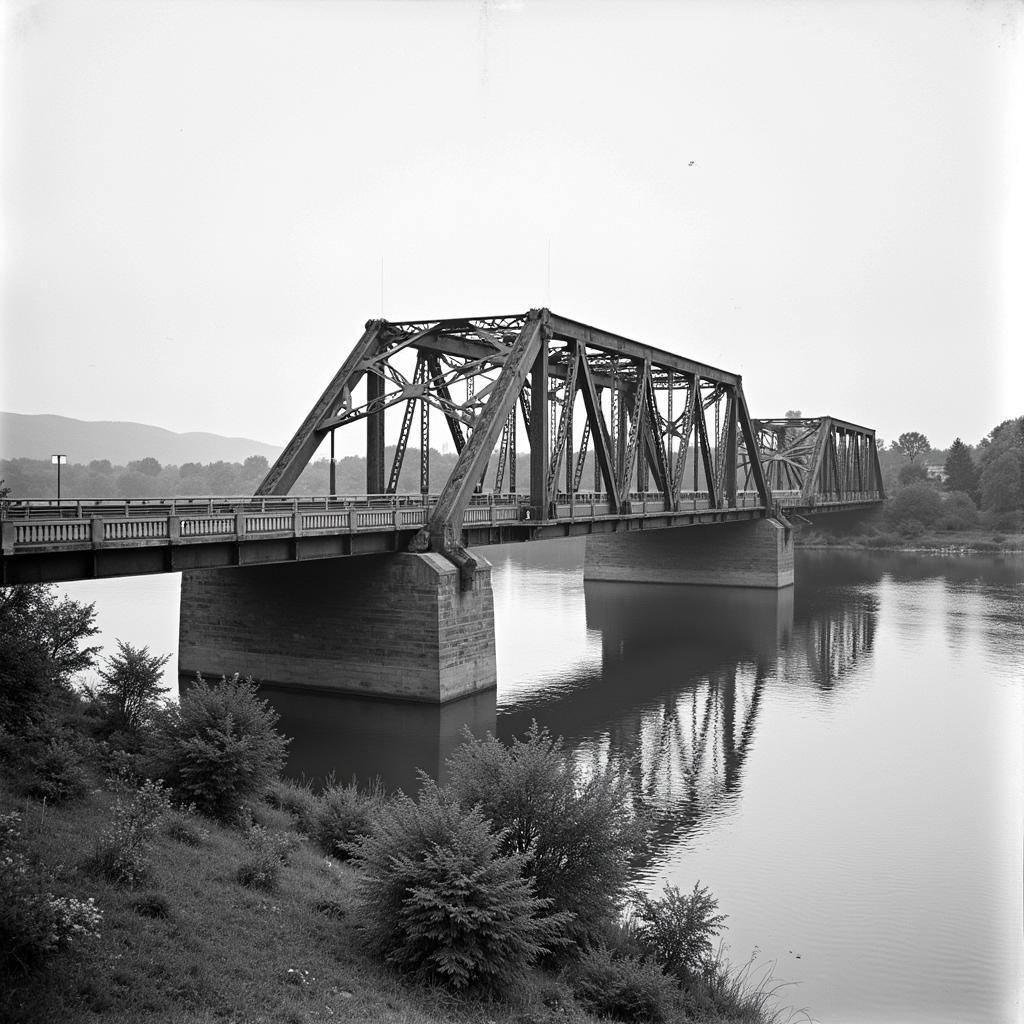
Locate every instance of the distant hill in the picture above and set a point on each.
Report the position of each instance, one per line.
(39, 437)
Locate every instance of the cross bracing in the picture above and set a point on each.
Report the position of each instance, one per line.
(648, 420)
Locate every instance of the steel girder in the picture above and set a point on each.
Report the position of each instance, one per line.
(826, 459)
(653, 424)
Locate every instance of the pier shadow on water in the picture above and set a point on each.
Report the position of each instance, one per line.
(345, 736)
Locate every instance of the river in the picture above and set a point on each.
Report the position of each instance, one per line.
(840, 763)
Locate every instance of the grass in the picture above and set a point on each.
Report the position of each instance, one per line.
(192, 944)
(973, 541)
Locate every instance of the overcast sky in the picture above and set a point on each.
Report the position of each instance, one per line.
(824, 197)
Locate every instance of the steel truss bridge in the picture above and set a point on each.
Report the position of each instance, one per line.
(620, 436)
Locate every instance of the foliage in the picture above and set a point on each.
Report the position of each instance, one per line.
(268, 852)
(576, 834)
(56, 772)
(42, 646)
(912, 473)
(1001, 489)
(180, 825)
(961, 472)
(624, 988)
(130, 686)
(219, 747)
(147, 466)
(345, 814)
(440, 900)
(919, 504)
(958, 512)
(34, 923)
(297, 799)
(123, 849)
(912, 443)
(677, 930)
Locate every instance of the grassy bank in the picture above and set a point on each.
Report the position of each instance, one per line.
(190, 942)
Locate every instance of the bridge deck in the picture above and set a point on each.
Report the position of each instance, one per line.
(90, 539)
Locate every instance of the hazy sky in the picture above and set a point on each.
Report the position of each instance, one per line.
(198, 196)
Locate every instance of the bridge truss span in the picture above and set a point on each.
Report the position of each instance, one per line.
(597, 413)
(558, 428)
(819, 463)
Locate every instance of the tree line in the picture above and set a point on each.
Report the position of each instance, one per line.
(980, 485)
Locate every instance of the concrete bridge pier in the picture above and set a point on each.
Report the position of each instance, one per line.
(754, 553)
(394, 625)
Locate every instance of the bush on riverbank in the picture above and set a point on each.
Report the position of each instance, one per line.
(576, 835)
(218, 747)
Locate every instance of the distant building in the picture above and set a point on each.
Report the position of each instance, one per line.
(936, 472)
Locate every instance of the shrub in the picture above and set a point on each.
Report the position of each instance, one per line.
(268, 853)
(297, 799)
(958, 512)
(440, 900)
(676, 931)
(917, 503)
(34, 923)
(129, 687)
(345, 814)
(56, 773)
(122, 851)
(180, 825)
(624, 988)
(153, 904)
(219, 748)
(576, 834)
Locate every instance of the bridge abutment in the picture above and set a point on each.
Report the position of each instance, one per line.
(395, 625)
(755, 553)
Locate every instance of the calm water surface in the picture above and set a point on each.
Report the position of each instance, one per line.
(841, 763)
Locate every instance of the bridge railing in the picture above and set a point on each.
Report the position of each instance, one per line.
(83, 523)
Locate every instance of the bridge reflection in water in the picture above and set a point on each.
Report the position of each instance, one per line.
(674, 695)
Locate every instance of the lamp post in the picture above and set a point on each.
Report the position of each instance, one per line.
(58, 461)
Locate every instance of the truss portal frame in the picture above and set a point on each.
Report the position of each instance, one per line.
(826, 459)
(650, 420)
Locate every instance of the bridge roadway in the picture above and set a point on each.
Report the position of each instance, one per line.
(43, 541)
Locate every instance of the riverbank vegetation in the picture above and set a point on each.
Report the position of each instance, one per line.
(157, 867)
(971, 500)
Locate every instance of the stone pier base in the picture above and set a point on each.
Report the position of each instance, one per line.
(756, 553)
(394, 626)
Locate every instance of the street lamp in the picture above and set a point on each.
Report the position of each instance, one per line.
(58, 461)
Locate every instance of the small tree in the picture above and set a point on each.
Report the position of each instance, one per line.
(130, 686)
(677, 931)
(219, 747)
(961, 472)
(42, 645)
(912, 444)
